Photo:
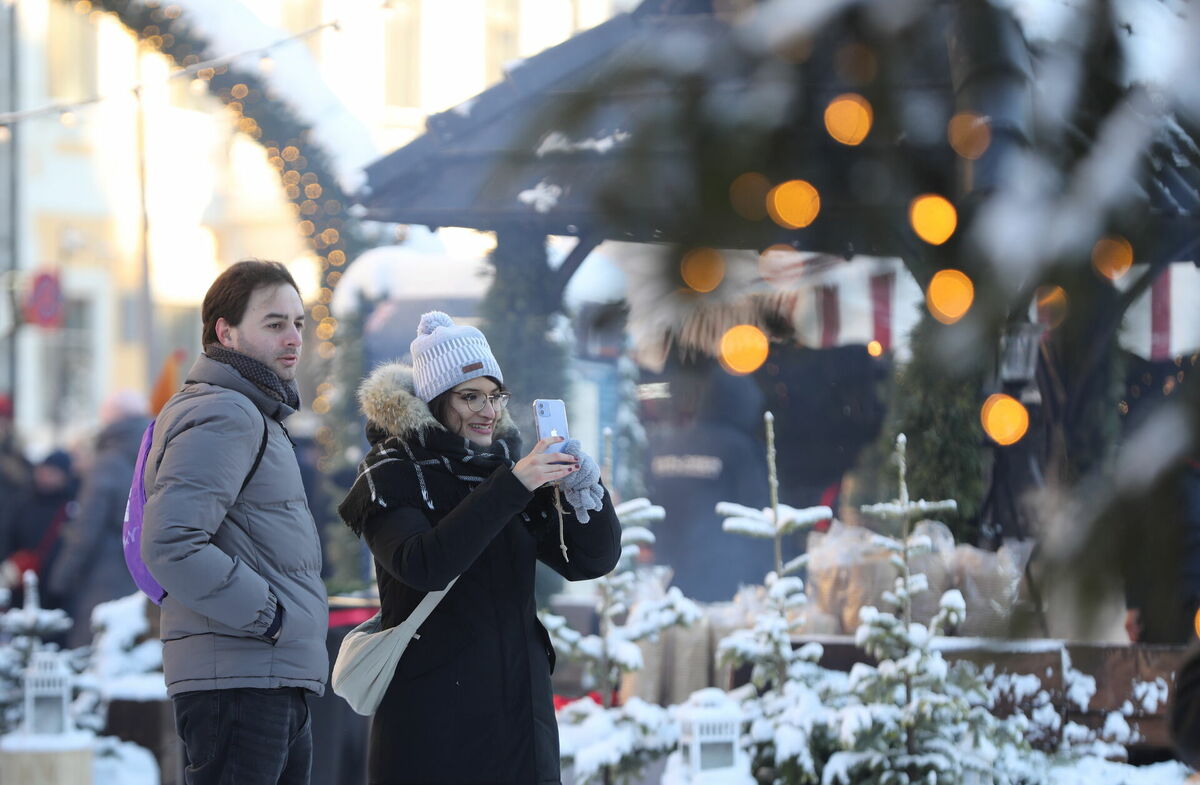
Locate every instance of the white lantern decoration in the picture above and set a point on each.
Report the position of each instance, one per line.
(47, 694)
(710, 725)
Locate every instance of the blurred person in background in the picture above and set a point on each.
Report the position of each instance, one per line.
(15, 472)
(31, 540)
(90, 569)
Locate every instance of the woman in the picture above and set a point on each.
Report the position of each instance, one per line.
(439, 495)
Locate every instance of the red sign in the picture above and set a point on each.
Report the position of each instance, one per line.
(44, 304)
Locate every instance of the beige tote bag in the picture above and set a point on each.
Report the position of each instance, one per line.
(367, 658)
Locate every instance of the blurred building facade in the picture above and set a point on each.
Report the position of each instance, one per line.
(73, 185)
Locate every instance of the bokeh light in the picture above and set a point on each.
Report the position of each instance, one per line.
(1112, 256)
(949, 295)
(794, 204)
(1004, 419)
(933, 218)
(875, 348)
(748, 195)
(848, 118)
(1051, 305)
(744, 349)
(970, 134)
(702, 269)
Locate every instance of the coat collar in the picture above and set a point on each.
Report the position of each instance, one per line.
(209, 371)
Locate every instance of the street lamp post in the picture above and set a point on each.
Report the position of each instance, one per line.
(13, 214)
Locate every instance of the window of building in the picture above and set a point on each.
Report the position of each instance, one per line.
(69, 363)
(301, 15)
(402, 54)
(502, 21)
(70, 54)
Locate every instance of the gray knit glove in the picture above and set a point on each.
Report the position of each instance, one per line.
(582, 488)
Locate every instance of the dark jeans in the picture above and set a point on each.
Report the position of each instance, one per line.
(245, 736)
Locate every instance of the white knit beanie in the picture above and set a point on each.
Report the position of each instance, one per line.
(445, 355)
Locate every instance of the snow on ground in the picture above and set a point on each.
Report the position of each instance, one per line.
(1092, 771)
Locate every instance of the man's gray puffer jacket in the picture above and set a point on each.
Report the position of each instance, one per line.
(227, 560)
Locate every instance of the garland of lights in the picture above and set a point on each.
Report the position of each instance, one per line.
(315, 196)
(305, 171)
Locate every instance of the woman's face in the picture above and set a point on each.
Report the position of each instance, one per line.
(475, 427)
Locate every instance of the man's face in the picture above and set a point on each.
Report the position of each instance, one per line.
(270, 329)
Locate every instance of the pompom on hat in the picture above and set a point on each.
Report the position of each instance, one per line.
(445, 354)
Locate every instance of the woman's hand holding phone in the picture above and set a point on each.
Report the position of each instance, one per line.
(540, 467)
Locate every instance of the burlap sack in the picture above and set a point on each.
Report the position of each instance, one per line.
(846, 571)
(690, 658)
(818, 622)
(990, 583)
(647, 683)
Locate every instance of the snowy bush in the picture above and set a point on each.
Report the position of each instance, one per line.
(619, 740)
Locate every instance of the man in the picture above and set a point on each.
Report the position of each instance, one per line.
(245, 615)
(90, 568)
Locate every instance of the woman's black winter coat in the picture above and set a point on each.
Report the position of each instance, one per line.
(471, 700)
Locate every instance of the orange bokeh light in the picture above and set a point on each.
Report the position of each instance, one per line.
(1004, 419)
(949, 296)
(933, 218)
(875, 348)
(794, 204)
(848, 118)
(702, 269)
(1052, 304)
(970, 134)
(744, 349)
(1112, 256)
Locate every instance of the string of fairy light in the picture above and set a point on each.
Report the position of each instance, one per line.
(238, 80)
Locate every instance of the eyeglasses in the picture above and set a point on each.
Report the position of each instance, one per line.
(475, 401)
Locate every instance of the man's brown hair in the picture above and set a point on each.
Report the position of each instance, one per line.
(230, 293)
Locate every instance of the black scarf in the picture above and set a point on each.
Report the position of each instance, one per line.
(256, 373)
(411, 471)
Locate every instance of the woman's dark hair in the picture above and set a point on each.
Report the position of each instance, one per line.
(441, 410)
(230, 293)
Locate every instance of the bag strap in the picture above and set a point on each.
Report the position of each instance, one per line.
(262, 448)
(427, 604)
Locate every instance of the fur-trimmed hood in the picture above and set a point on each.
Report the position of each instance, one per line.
(391, 406)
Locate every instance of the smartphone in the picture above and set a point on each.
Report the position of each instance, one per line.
(550, 419)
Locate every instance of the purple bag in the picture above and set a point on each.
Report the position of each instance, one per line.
(131, 529)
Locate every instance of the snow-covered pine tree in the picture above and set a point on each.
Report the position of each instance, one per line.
(787, 705)
(619, 740)
(914, 717)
